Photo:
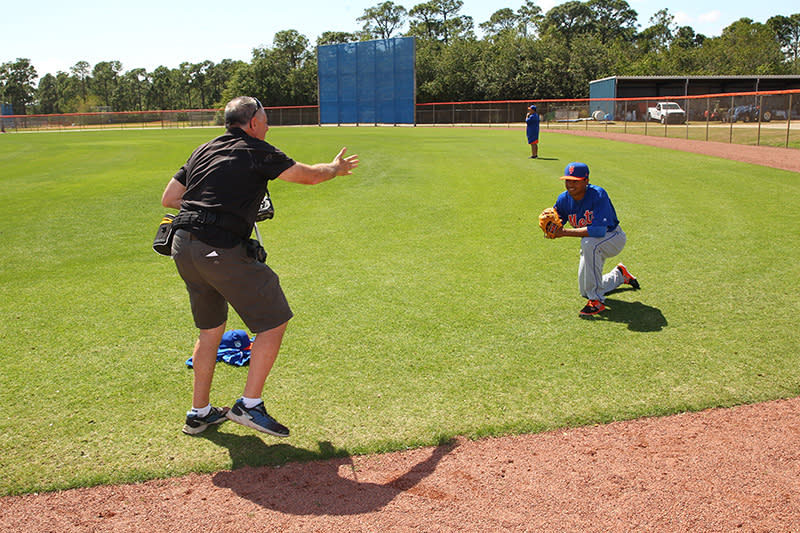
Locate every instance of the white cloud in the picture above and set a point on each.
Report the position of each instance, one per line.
(711, 16)
(704, 22)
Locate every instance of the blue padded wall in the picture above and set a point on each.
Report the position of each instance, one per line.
(368, 82)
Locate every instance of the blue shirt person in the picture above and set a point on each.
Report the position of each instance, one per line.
(532, 130)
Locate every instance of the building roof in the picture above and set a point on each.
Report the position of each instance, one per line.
(704, 77)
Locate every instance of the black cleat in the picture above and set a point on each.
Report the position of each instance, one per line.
(628, 277)
(592, 307)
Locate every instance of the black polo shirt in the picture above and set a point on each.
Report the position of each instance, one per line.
(229, 175)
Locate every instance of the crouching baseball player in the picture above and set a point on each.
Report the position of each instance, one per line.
(589, 211)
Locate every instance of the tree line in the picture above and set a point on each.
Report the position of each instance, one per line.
(522, 54)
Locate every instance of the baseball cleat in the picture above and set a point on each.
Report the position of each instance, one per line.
(628, 277)
(196, 424)
(592, 307)
(256, 418)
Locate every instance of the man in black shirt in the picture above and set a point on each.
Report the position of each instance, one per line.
(221, 186)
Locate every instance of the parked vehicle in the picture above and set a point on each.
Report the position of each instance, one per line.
(718, 113)
(780, 114)
(748, 113)
(667, 112)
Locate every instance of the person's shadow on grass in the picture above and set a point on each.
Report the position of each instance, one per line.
(638, 316)
(314, 487)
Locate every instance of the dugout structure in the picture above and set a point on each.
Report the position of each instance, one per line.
(369, 82)
(658, 88)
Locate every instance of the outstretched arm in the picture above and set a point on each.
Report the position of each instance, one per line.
(313, 174)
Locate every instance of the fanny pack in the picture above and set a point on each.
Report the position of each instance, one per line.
(162, 244)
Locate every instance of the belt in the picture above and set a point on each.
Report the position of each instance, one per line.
(186, 234)
(227, 222)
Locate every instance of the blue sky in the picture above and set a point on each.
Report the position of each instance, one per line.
(55, 35)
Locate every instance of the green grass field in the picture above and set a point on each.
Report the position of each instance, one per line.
(427, 302)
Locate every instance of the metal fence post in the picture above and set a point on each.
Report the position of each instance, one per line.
(788, 120)
(760, 108)
(625, 118)
(730, 119)
(688, 103)
(646, 116)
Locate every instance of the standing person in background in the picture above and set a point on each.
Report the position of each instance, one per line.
(532, 130)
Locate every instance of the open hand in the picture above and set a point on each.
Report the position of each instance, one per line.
(345, 165)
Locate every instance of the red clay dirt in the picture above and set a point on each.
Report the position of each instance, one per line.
(769, 156)
(721, 470)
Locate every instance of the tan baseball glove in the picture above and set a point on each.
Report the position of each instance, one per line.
(549, 221)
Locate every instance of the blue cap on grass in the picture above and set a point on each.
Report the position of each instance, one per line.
(235, 338)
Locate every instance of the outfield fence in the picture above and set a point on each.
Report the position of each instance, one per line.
(183, 118)
(770, 118)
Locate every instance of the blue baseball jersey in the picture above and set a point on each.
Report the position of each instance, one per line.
(595, 211)
(532, 127)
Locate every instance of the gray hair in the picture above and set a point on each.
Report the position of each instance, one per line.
(240, 110)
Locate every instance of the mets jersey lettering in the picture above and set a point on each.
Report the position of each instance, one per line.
(586, 220)
(594, 211)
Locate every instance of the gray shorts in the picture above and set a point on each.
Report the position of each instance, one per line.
(216, 277)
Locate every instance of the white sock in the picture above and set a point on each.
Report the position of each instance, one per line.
(250, 402)
(202, 412)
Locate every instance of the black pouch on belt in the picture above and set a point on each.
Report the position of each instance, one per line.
(256, 251)
(162, 244)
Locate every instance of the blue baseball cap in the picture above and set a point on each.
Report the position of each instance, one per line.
(236, 339)
(532, 106)
(576, 171)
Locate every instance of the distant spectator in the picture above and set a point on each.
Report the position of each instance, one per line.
(532, 130)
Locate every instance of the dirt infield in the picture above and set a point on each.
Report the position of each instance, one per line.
(718, 470)
(769, 156)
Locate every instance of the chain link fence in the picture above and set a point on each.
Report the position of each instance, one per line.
(191, 118)
(111, 120)
(757, 118)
